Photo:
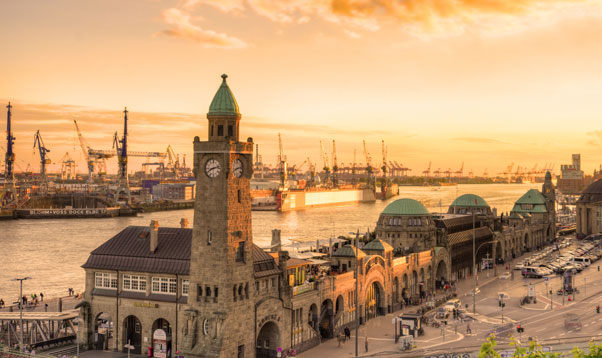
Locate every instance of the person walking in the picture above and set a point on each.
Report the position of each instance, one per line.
(42, 296)
(347, 333)
(468, 330)
(1, 303)
(366, 344)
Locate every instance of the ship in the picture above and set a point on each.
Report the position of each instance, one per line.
(70, 206)
(297, 199)
(388, 191)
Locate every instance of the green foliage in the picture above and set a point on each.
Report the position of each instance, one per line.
(488, 348)
(595, 351)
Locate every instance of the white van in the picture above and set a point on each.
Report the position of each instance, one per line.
(582, 260)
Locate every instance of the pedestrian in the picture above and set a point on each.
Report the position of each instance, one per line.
(347, 333)
(1, 303)
(45, 307)
(366, 344)
(468, 330)
(41, 296)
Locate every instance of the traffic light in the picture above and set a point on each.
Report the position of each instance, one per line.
(519, 329)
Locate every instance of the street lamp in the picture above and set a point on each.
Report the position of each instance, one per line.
(474, 259)
(357, 325)
(21, 309)
(79, 322)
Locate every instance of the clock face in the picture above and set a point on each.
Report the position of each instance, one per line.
(237, 168)
(213, 168)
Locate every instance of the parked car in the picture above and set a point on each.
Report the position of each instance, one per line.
(531, 271)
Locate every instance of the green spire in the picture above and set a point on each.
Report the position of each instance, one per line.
(224, 102)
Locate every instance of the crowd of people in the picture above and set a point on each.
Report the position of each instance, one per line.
(32, 300)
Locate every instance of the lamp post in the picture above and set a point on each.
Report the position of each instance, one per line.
(79, 322)
(357, 325)
(474, 259)
(21, 309)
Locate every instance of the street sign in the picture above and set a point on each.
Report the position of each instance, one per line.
(531, 290)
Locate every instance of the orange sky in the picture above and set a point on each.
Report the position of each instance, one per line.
(487, 82)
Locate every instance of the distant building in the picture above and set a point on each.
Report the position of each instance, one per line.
(572, 178)
(173, 191)
(589, 210)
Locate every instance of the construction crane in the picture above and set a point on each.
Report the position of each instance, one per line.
(42, 150)
(282, 164)
(353, 182)
(335, 166)
(326, 166)
(460, 172)
(9, 192)
(67, 168)
(95, 159)
(427, 173)
(173, 161)
(312, 173)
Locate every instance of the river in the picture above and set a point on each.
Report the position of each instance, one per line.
(51, 252)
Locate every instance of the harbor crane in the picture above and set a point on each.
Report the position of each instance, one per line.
(437, 173)
(9, 192)
(67, 168)
(282, 164)
(335, 165)
(427, 171)
(312, 173)
(95, 159)
(258, 163)
(44, 160)
(353, 182)
(460, 172)
(173, 162)
(369, 168)
(326, 166)
(121, 147)
(402, 170)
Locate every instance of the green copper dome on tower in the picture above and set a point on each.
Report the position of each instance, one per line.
(224, 103)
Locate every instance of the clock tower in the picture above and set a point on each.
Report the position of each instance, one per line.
(221, 262)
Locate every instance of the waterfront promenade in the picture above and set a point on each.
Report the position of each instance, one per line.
(68, 303)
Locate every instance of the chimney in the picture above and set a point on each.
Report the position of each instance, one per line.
(276, 242)
(154, 235)
(184, 223)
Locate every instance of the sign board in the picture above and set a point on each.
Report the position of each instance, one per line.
(531, 291)
(159, 344)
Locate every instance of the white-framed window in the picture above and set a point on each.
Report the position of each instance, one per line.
(105, 280)
(134, 283)
(185, 287)
(164, 285)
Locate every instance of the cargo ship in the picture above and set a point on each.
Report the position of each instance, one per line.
(388, 191)
(294, 199)
(69, 206)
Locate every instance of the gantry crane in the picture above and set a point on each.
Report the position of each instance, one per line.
(9, 192)
(427, 173)
(460, 172)
(282, 164)
(312, 173)
(353, 182)
(326, 166)
(67, 168)
(384, 184)
(42, 150)
(335, 166)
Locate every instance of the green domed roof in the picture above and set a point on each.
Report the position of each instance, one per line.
(349, 251)
(224, 102)
(533, 196)
(405, 207)
(378, 245)
(470, 200)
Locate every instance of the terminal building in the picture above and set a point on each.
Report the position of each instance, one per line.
(209, 291)
(589, 210)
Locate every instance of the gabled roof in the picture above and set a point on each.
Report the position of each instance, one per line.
(407, 207)
(592, 194)
(349, 251)
(470, 200)
(223, 102)
(129, 250)
(378, 245)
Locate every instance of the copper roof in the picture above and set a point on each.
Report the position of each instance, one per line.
(466, 235)
(129, 250)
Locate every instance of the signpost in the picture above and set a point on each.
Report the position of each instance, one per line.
(129, 347)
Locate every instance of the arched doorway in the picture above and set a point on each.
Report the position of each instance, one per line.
(103, 332)
(312, 318)
(441, 273)
(161, 338)
(404, 291)
(414, 283)
(395, 290)
(429, 279)
(132, 334)
(526, 242)
(327, 320)
(421, 284)
(549, 235)
(499, 253)
(268, 341)
(374, 301)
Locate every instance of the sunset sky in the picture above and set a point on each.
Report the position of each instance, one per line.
(485, 82)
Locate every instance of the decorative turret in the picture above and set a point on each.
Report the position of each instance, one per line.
(223, 115)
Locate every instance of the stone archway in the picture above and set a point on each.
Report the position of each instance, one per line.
(414, 289)
(103, 332)
(526, 242)
(499, 252)
(441, 273)
(162, 328)
(268, 341)
(312, 316)
(422, 283)
(404, 290)
(375, 300)
(327, 319)
(396, 296)
(132, 334)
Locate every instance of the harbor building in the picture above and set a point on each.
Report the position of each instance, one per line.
(210, 291)
(589, 210)
(572, 179)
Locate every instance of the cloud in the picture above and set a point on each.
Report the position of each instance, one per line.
(182, 27)
(479, 140)
(441, 17)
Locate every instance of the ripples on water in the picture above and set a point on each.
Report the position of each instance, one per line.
(52, 251)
